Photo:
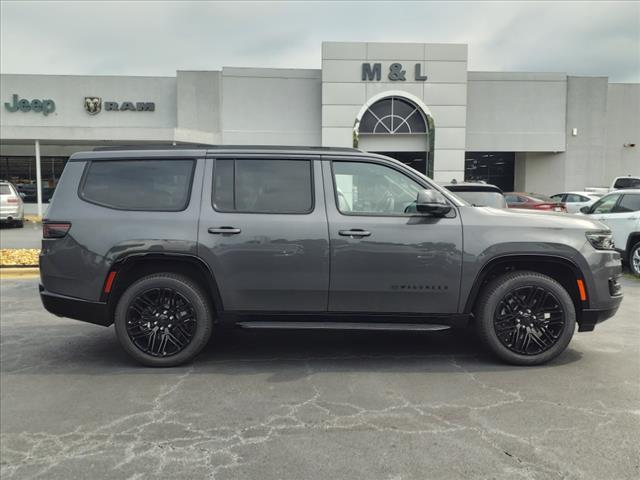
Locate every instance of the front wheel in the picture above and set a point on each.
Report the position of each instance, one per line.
(163, 320)
(634, 260)
(525, 318)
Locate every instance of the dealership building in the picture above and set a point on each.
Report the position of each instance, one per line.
(419, 103)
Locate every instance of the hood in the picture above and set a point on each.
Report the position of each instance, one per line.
(532, 218)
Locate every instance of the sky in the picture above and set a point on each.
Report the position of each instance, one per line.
(158, 38)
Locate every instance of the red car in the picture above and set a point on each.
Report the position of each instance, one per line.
(534, 201)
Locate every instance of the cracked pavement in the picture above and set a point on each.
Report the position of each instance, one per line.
(314, 405)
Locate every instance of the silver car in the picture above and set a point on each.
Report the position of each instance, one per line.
(11, 205)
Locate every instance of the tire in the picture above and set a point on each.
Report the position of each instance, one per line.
(634, 260)
(18, 223)
(505, 305)
(158, 313)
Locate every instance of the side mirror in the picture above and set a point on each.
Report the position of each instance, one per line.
(433, 202)
(586, 210)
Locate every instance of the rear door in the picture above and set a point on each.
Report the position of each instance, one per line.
(383, 259)
(263, 232)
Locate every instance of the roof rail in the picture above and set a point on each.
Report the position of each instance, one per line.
(150, 146)
(193, 146)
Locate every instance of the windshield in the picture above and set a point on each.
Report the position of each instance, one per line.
(483, 199)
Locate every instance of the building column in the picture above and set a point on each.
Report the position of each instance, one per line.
(38, 179)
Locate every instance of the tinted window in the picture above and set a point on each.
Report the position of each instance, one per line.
(627, 182)
(263, 186)
(370, 188)
(605, 204)
(629, 203)
(139, 184)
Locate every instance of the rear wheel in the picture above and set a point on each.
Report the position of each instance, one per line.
(634, 260)
(163, 320)
(525, 318)
(18, 223)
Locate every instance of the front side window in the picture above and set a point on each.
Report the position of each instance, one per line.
(605, 205)
(373, 189)
(629, 203)
(149, 185)
(263, 186)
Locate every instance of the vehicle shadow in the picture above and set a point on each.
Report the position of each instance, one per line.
(283, 355)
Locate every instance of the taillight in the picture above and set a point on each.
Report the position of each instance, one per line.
(543, 206)
(55, 230)
(12, 200)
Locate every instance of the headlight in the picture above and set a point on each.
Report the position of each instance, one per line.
(601, 240)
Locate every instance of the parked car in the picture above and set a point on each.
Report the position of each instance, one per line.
(574, 201)
(620, 211)
(172, 244)
(535, 201)
(478, 194)
(626, 182)
(29, 193)
(11, 206)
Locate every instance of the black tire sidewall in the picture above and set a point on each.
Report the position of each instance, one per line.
(492, 295)
(186, 288)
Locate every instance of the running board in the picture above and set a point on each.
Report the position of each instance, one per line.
(342, 326)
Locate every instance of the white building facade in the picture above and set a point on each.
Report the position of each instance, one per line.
(542, 132)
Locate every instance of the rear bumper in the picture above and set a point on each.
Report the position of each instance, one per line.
(589, 318)
(76, 308)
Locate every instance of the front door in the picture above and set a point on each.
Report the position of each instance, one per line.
(263, 232)
(383, 259)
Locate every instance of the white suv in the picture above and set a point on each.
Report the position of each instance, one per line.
(620, 211)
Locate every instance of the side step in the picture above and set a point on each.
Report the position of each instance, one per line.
(342, 326)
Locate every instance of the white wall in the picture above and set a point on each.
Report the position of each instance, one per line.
(271, 106)
(71, 121)
(623, 127)
(516, 112)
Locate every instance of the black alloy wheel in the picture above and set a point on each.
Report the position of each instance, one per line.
(529, 320)
(525, 317)
(161, 322)
(164, 319)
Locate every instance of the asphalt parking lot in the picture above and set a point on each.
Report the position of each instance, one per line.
(310, 405)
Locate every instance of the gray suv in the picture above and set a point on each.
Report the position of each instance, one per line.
(172, 244)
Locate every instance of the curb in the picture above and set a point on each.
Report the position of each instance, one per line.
(19, 272)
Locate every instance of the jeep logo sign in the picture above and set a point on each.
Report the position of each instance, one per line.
(44, 106)
(373, 71)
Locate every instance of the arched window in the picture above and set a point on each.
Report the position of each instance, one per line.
(393, 115)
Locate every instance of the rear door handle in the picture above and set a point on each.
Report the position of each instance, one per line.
(356, 232)
(224, 231)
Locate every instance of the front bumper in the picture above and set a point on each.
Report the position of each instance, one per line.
(76, 308)
(589, 318)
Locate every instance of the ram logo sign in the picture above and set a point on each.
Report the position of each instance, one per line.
(93, 105)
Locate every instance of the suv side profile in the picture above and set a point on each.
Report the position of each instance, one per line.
(173, 244)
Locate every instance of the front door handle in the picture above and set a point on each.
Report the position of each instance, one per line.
(224, 231)
(355, 232)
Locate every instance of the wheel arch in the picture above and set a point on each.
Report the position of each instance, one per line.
(561, 269)
(135, 266)
(634, 237)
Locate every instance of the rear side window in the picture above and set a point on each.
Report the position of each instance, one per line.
(150, 185)
(263, 186)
